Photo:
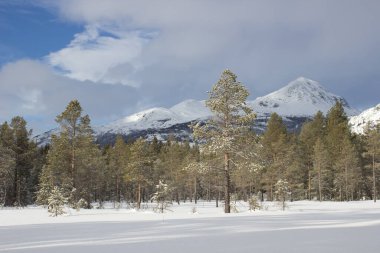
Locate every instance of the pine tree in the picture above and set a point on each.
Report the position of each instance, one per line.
(337, 130)
(248, 167)
(372, 144)
(310, 132)
(56, 202)
(69, 121)
(171, 164)
(232, 118)
(16, 137)
(73, 160)
(139, 169)
(274, 151)
(161, 197)
(346, 170)
(320, 164)
(89, 163)
(193, 169)
(282, 190)
(294, 168)
(56, 171)
(7, 164)
(117, 165)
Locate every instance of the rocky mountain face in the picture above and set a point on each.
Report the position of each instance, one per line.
(296, 102)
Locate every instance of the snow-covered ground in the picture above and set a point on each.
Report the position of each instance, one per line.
(304, 227)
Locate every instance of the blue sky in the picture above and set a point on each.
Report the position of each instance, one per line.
(29, 31)
(119, 57)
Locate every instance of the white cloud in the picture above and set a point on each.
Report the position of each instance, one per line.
(91, 56)
(31, 89)
(166, 51)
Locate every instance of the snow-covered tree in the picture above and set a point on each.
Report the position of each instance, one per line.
(56, 202)
(282, 190)
(232, 118)
(161, 197)
(254, 203)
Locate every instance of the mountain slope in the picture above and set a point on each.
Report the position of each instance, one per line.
(301, 97)
(158, 118)
(370, 116)
(296, 102)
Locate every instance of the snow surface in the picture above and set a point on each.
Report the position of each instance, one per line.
(371, 116)
(306, 226)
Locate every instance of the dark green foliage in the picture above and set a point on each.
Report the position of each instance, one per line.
(324, 161)
(74, 162)
(19, 154)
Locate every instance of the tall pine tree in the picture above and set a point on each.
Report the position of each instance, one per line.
(232, 118)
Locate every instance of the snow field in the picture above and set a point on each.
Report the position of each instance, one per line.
(306, 226)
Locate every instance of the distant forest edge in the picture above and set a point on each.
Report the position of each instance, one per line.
(226, 160)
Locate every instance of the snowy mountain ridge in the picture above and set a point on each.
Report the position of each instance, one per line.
(370, 116)
(158, 118)
(301, 97)
(296, 102)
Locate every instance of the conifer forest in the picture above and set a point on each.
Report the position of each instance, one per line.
(224, 160)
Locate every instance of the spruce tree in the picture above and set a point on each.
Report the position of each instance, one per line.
(232, 118)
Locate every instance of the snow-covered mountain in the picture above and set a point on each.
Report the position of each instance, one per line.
(301, 97)
(158, 118)
(370, 116)
(296, 102)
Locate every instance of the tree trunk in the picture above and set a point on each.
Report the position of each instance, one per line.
(217, 199)
(73, 156)
(117, 190)
(195, 190)
(271, 192)
(227, 196)
(346, 182)
(19, 191)
(139, 196)
(319, 183)
(309, 185)
(374, 177)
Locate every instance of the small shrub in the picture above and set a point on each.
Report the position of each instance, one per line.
(56, 202)
(254, 203)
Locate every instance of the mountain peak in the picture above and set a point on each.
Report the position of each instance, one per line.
(304, 88)
(303, 96)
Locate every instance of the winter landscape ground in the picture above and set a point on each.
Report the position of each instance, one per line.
(306, 226)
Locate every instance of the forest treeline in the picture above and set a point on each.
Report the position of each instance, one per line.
(226, 159)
